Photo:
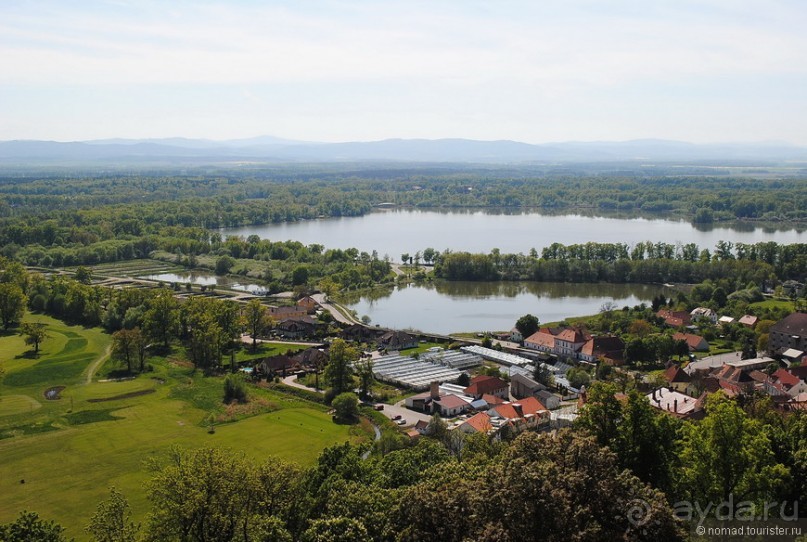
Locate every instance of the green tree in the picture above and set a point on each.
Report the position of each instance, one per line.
(125, 347)
(728, 455)
(299, 275)
(255, 316)
(224, 264)
(527, 325)
(339, 371)
(338, 529)
(601, 413)
(364, 370)
(201, 495)
(34, 333)
(12, 303)
(161, 320)
(346, 406)
(29, 527)
(83, 275)
(112, 520)
(646, 442)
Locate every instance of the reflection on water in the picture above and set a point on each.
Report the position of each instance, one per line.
(398, 231)
(206, 279)
(446, 307)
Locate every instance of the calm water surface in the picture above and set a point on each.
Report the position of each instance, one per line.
(447, 307)
(206, 279)
(395, 232)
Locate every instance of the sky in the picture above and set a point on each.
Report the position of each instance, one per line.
(358, 70)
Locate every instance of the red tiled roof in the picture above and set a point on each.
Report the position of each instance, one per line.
(543, 337)
(693, 341)
(675, 318)
(481, 385)
(492, 400)
(480, 422)
(451, 401)
(531, 405)
(573, 335)
(676, 374)
(787, 379)
(507, 411)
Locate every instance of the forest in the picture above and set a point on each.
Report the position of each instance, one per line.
(77, 219)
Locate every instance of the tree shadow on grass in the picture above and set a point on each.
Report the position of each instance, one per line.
(30, 354)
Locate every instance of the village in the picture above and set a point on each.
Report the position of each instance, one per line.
(516, 382)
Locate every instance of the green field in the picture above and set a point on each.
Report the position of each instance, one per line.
(69, 451)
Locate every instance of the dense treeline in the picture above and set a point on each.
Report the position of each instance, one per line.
(68, 221)
(759, 263)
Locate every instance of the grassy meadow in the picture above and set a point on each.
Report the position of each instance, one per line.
(99, 433)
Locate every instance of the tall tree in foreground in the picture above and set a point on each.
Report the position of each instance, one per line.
(29, 527)
(728, 455)
(112, 520)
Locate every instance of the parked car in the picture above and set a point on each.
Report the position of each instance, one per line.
(397, 417)
(401, 421)
(379, 406)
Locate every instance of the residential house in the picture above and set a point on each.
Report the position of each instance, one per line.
(785, 383)
(608, 348)
(481, 385)
(696, 343)
(569, 342)
(676, 403)
(735, 381)
(301, 326)
(360, 333)
(492, 400)
(527, 413)
(790, 332)
(422, 427)
(312, 358)
(748, 320)
(675, 318)
(478, 423)
(280, 365)
(397, 340)
(308, 304)
(725, 320)
(703, 313)
(451, 405)
(542, 340)
(677, 379)
(515, 336)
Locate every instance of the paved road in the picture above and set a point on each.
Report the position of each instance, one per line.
(336, 313)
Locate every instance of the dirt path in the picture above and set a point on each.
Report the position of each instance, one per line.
(97, 363)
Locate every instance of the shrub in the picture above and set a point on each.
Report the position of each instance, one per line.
(346, 406)
(235, 389)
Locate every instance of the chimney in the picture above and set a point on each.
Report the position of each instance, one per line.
(518, 409)
(675, 406)
(434, 391)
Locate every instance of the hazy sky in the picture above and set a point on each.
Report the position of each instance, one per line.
(534, 71)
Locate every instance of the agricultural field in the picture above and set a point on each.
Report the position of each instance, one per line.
(59, 456)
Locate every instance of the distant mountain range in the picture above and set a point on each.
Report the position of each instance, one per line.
(272, 149)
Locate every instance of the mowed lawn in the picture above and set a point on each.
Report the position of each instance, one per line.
(70, 451)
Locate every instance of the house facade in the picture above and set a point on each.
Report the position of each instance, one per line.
(790, 332)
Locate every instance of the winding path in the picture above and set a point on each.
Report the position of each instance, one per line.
(97, 363)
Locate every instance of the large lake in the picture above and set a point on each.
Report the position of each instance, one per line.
(446, 307)
(394, 232)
